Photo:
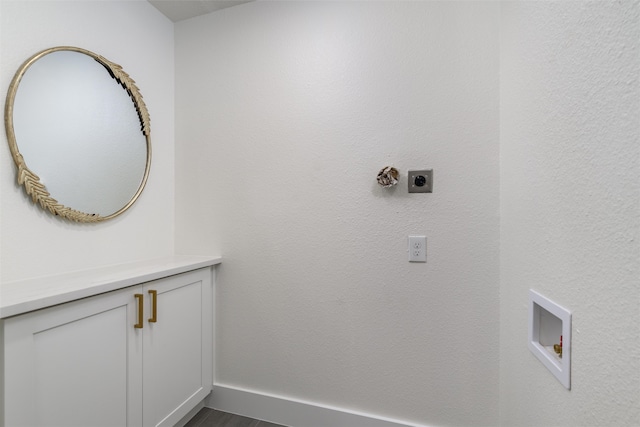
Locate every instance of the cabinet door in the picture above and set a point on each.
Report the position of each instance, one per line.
(76, 364)
(177, 350)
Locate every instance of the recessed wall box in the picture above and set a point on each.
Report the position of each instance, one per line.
(550, 336)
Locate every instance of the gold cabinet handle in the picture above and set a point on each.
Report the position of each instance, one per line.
(140, 299)
(154, 306)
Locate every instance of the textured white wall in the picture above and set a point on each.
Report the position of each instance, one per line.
(570, 206)
(135, 35)
(285, 113)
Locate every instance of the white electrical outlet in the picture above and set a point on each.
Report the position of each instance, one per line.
(417, 249)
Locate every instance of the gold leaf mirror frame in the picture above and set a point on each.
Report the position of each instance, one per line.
(31, 182)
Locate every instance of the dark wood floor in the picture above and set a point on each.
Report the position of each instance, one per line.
(213, 418)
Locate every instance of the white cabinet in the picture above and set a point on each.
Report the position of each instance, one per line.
(177, 348)
(85, 363)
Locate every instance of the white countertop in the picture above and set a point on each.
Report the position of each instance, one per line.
(33, 294)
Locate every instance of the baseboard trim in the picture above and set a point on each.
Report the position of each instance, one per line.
(292, 412)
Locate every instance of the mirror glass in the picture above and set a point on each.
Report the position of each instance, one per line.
(77, 123)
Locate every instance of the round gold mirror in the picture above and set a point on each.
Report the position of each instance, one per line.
(83, 132)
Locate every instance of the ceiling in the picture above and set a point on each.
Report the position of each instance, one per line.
(177, 10)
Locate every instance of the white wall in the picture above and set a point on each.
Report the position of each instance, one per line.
(285, 113)
(136, 36)
(570, 206)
